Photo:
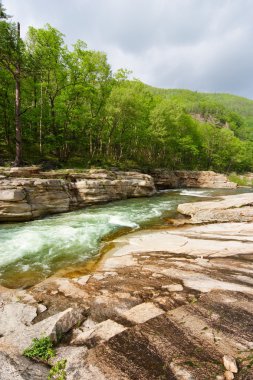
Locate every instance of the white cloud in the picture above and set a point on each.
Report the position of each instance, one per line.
(195, 44)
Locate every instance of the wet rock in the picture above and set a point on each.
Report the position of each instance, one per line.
(218, 240)
(99, 333)
(230, 363)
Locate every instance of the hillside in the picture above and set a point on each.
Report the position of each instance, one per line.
(193, 100)
(235, 103)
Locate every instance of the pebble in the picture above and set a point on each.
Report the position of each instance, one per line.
(41, 308)
(173, 287)
(82, 280)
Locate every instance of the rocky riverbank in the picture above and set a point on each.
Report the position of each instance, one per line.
(165, 304)
(42, 193)
(29, 193)
(167, 179)
(231, 208)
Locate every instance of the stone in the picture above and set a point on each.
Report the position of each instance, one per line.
(230, 363)
(69, 288)
(173, 287)
(82, 280)
(15, 367)
(141, 313)
(180, 373)
(14, 315)
(53, 327)
(99, 333)
(228, 375)
(77, 366)
(231, 208)
(226, 240)
(41, 308)
(12, 195)
(26, 297)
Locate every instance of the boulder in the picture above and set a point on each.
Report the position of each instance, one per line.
(53, 327)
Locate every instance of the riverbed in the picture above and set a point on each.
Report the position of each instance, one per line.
(72, 242)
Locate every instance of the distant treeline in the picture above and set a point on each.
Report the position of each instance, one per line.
(73, 111)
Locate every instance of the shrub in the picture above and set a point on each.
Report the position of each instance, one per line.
(240, 180)
(58, 372)
(41, 349)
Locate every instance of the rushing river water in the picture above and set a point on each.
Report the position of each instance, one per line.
(32, 251)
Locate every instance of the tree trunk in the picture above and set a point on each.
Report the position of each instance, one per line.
(41, 115)
(18, 158)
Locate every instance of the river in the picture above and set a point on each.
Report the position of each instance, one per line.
(72, 242)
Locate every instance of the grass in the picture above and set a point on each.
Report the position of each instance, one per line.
(240, 180)
(58, 371)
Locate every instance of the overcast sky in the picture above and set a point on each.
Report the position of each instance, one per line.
(203, 45)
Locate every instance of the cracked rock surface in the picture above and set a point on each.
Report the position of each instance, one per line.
(166, 304)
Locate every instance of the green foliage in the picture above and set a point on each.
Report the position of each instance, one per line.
(58, 372)
(41, 349)
(3, 14)
(75, 111)
(240, 180)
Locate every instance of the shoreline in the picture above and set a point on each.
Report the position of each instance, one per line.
(159, 304)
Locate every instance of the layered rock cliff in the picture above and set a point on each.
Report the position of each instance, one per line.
(166, 179)
(28, 193)
(24, 199)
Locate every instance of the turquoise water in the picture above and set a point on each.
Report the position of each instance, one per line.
(32, 251)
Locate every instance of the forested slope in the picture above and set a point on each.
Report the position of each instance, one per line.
(76, 112)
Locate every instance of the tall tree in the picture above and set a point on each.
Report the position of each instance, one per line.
(10, 60)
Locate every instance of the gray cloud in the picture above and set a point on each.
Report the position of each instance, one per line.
(202, 45)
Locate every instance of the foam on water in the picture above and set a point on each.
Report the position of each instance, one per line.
(65, 239)
(47, 245)
(196, 193)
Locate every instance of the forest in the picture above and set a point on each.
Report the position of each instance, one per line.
(63, 107)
